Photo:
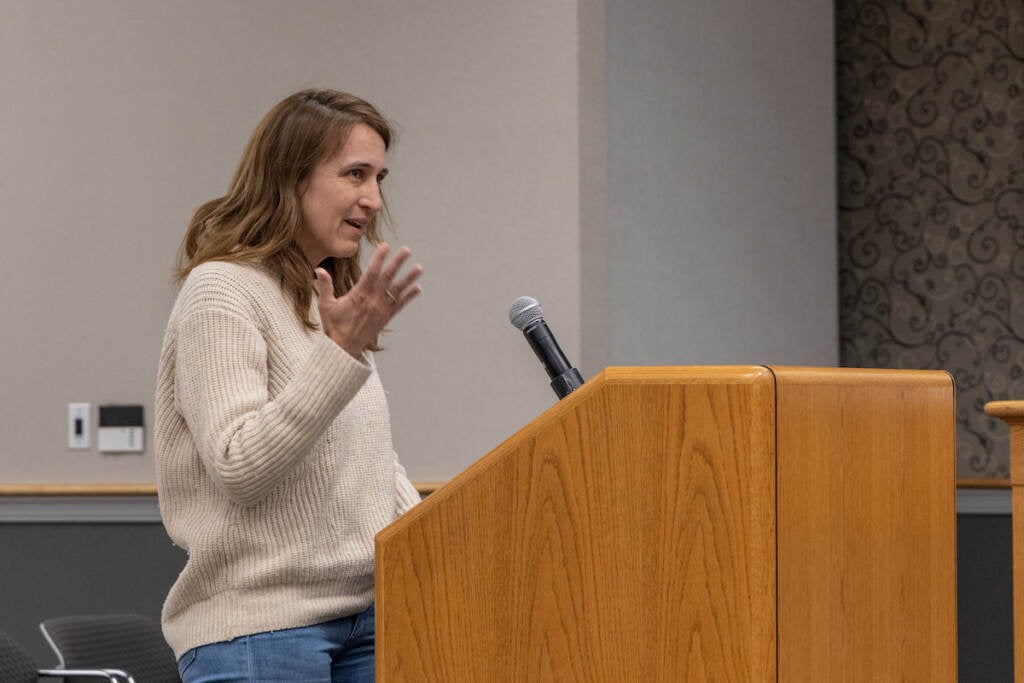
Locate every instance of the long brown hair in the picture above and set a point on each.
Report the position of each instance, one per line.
(260, 216)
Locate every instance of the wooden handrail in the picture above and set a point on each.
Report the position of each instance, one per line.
(1006, 410)
(127, 489)
(424, 487)
(982, 483)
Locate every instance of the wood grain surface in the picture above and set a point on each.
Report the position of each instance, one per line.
(1013, 413)
(866, 526)
(626, 535)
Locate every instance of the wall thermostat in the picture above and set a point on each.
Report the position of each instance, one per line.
(121, 429)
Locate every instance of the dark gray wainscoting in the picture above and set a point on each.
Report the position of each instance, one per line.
(985, 598)
(66, 556)
(52, 568)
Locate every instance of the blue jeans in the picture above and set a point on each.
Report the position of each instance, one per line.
(332, 652)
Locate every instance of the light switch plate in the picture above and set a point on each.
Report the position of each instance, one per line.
(78, 425)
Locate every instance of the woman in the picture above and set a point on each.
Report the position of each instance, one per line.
(273, 442)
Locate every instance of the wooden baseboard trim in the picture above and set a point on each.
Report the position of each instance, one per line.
(124, 489)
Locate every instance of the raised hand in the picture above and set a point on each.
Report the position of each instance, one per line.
(355, 320)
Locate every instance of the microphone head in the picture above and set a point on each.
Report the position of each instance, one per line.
(525, 311)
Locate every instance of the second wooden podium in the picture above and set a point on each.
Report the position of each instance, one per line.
(690, 524)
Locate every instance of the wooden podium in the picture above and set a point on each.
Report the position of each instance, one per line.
(690, 524)
(1012, 412)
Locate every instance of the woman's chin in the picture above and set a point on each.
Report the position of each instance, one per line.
(347, 250)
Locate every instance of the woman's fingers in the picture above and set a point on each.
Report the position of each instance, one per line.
(324, 284)
(399, 288)
(379, 278)
(378, 283)
(391, 270)
(353, 321)
(408, 295)
(376, 264)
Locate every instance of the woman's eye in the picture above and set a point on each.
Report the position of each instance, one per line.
(356, 173)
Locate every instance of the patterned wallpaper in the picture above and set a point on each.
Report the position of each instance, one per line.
(931, 201)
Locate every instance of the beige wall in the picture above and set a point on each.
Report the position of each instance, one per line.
(659, 175)
(118, 118)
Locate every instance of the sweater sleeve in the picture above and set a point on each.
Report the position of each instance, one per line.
(249, 443)
(406, 495)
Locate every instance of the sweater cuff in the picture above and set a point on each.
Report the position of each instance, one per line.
(406, 495)
(334, 375)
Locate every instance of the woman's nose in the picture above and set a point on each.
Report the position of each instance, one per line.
(372, 199)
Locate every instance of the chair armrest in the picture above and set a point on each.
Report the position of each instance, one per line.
(113, 675)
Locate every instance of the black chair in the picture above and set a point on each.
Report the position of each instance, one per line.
(17, 666)
(133, 642)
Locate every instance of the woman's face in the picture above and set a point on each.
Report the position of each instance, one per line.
(341, 195)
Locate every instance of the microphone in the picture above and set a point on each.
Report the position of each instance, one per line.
(526, 315)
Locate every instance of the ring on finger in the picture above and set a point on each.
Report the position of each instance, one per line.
(391, 296)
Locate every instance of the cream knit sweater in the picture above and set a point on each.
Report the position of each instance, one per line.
(274, 462)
